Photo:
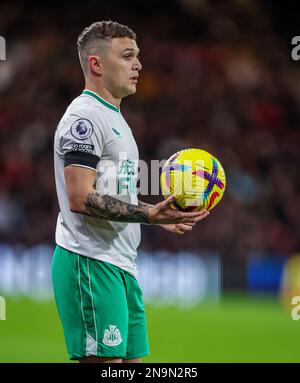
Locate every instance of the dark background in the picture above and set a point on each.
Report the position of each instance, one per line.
(216, 75)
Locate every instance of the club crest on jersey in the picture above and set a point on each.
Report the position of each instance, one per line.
(82, 129)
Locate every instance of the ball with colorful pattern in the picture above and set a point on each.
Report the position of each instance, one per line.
(196, 178)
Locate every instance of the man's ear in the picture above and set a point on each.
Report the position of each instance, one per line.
(95, 65)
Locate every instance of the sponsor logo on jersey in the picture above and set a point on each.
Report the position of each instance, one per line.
(126, 178)
(112, 336)
(82, 129)
(85, 148)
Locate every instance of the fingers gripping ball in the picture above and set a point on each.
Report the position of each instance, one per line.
(196, 178)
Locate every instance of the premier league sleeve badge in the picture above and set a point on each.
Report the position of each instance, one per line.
(82, 129)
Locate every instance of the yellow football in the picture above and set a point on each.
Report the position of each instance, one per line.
(196, 178)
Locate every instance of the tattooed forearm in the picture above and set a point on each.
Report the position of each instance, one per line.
(112, 209)
(145, 205)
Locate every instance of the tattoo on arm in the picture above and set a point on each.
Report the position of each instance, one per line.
(112, 209)
(143, 204)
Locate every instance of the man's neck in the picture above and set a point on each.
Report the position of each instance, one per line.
(103, 93)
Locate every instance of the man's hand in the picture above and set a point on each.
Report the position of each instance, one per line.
(178, 228)
(84, 199)
(162, 213)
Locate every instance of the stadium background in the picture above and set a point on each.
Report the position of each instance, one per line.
(215, 76)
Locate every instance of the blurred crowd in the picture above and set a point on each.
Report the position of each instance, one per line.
(215, 77)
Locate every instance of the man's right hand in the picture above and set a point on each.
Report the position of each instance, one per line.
(163, 213)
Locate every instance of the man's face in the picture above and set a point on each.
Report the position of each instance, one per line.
(121, 67)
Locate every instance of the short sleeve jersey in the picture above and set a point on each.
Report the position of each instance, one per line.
(93, 133)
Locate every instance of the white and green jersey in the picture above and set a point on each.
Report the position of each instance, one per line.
(93, 133)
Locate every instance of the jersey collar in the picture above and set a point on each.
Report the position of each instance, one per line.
(103, 102)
